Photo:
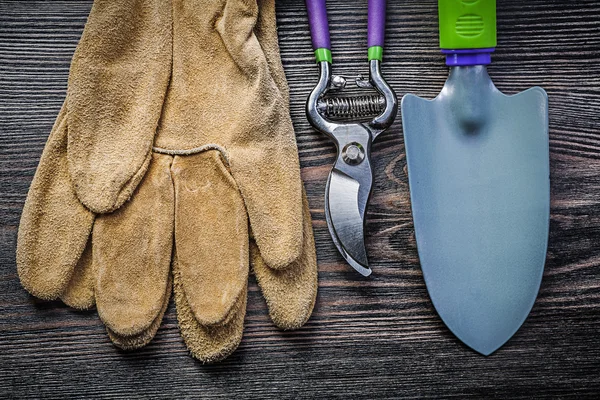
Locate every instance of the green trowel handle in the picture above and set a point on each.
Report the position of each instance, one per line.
(467, 24)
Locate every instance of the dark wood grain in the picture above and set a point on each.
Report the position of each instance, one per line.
(368, 338)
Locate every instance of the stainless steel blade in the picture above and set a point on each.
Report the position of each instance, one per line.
(345, 219)
(478, 164)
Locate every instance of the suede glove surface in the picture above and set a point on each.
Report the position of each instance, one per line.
(173, 166)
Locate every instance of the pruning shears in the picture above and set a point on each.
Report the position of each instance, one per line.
(345, 120)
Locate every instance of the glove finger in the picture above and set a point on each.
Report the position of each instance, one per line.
(291, 292)
(263, 156)
(266, 33)
(117, 84)
(145, 336)
(269, 179)
(208, 343)
(132, 253)
(211, 236)
(235, 26)
(79, 293)
(55, 226)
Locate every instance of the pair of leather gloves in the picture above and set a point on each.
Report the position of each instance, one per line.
(173, 167)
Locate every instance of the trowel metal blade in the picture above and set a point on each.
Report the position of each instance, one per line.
(478, 165)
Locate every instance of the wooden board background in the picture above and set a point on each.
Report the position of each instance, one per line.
(368, 338)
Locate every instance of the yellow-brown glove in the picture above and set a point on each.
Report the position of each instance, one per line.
(180, 107)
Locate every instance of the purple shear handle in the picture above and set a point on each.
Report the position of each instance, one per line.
(319, 27)
(376, 33)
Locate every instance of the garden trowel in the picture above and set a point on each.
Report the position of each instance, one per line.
(478, 167)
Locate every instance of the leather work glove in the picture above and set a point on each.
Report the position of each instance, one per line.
(173, 163)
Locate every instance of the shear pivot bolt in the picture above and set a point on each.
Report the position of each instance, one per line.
(353, 153)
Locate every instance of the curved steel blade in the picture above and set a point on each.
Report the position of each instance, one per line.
(478, 165)
(345, 211)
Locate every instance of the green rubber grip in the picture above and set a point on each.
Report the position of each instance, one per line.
(375, 53)
(467, 24)
(323, 54)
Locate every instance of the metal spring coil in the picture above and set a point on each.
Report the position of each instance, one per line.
(344, 107)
